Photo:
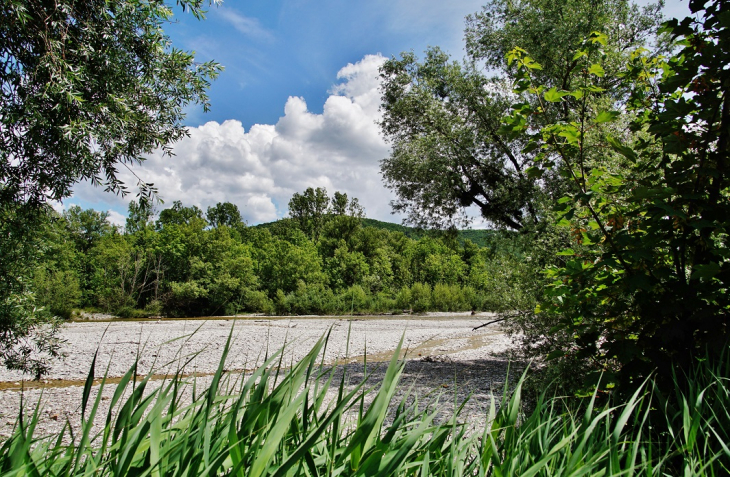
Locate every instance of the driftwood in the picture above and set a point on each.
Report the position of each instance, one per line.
(504, 318)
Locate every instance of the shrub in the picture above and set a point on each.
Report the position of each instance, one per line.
(404, 298)
(420, 297)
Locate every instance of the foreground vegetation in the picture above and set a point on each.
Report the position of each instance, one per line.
(302, 422)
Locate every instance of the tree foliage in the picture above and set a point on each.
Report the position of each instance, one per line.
(87, 87)
(645, 284)
(224, 214)
(313, 209)
(443, 117)
(184, 267)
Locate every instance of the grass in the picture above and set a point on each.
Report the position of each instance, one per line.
(285, 423)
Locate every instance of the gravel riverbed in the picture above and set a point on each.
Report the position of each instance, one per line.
(443, 353)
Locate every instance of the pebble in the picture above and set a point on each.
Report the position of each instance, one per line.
(474, 358)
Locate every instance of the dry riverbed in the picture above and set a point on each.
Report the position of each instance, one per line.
(443, 354)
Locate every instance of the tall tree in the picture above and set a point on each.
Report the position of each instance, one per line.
(138, 217)
(644, 286)
(308, 210)
(87, 226)
(224, 213)
(443, 118)
(86, 87)
(179, 214)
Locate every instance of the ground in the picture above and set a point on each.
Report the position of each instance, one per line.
(445, 357)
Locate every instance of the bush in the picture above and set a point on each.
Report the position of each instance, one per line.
(355, 299)
(420, 297)
(404, 298)
(258, 302)
(383, 303)
(59, 291)
(281, 303)
(448, 298)
(131, 312)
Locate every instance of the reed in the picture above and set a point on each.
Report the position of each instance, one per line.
(286, 422)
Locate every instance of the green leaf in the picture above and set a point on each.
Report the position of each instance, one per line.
(558, 353)
(571, 134)
(598, 37)
(597, 70)
(531, 146)
(534, 172)
(705, 271)
(625, 151)
(553, 95)
(607, 116)
(577, 94)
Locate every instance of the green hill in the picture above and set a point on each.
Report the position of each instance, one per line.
(480, 237)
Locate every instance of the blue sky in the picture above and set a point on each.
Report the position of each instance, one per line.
(276, 49)
(297, 103)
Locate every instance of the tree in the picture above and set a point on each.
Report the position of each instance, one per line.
(28, 340)
(87, 226)
(443, 118)
(312, 211)
(644, 286)
(138, 217)
(87, 87)
(224, 213)
(308, 210)
(179, 214)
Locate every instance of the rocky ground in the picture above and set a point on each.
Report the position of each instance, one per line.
(443, 354)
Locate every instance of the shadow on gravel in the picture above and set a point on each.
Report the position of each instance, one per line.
(438, 381)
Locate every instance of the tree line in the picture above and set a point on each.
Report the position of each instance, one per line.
(319, 260)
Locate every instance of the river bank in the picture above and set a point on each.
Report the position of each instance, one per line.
(443, 353)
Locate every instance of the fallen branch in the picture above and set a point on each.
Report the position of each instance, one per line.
(504, 318)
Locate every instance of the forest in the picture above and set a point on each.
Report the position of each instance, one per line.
(189, 263)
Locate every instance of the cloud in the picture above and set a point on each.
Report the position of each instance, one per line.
(251, 27)
(260, 169)
(116, 218)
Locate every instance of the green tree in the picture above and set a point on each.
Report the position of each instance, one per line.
(58, 276)
(87, 226)
(308, 210)
(443, 118)
(313, 211)
(87, 87)
(139, 215)
(179, 214)
(28, 339)
(645, 285)
(224, 213)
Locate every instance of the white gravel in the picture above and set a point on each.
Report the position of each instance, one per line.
(442, 349)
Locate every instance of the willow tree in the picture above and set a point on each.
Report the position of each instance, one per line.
(86, 87)
(443, 118)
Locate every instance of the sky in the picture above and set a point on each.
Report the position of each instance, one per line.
(297, 104)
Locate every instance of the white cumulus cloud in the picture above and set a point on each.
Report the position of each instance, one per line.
(261, 168)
